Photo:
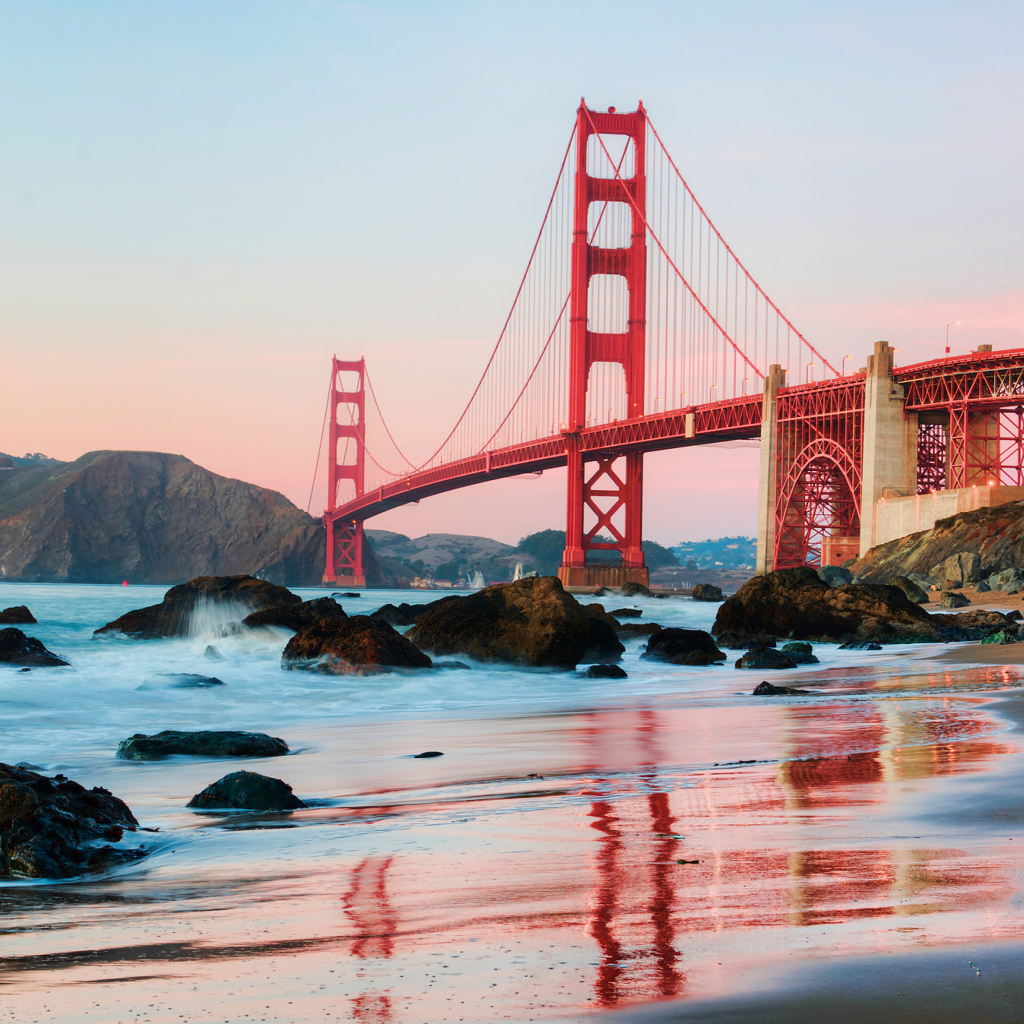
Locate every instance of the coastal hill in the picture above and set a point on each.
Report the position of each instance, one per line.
(148, 517)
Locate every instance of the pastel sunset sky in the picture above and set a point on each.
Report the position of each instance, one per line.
(202, 201)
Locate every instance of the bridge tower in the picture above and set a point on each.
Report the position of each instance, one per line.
(612, 495)
(345, 538)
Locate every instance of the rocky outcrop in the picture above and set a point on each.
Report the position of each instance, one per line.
(18, 649)
(150, 517)
(835, 575)
(631, 589)
(174, 615)
(707, 592)
(796, 604)
(962, 569)
(295, 616)
(995, 535)
(683, 647)
(403, 614)
(248, 791)
(355, 645)
(766, 689)
(912, 592)
(532, 622)
(19, 615)
(951, 599)
(766, 658)
(212, 743)
(49, 827)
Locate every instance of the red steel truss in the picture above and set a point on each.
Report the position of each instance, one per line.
(818, 467)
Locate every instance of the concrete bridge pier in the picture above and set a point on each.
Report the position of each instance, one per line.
(889, 461)
(768, 492)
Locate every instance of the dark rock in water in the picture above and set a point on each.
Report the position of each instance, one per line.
(835, 575)
(742, 642)
(350, 593)
(248, 791)
(766, 689)
(795, 603)
(451, 665)
(596, 611)
(200, 744)
(626, 613)
(48, 827)
(430, 753)
(358, 645)
(863, 645)
(212, 653)
(951, 599)
(639, 628)
(19, 615)
(172, 616)
(18, 649)
(604, 672)
(27, 764)
(797, 647)
(179, 681)
(532, 622)
(913, 592)
(765, 657)
(602, 592)
(296, 616)
(707, 592)
(683, 647)
(402, 614)
(632, 589)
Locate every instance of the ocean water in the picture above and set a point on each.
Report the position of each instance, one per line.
(580, 845)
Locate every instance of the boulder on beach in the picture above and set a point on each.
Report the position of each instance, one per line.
(766, 658)
(962, 569)
(796, 604)
(49, 827)
(355, 645)
(707, 592)
(912, 592)
(295, 616)
(532, 622)
(604, 672)
(173, 616)
(835, 575)
(683, 647)
(951, 599)
(208, 743)
(800, 652)
(18, 615)
(18, 649)
(248, 791)
(743, 642)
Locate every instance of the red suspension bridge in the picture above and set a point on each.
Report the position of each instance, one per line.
(635, 327)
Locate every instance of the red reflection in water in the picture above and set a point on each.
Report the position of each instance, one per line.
(368, 904)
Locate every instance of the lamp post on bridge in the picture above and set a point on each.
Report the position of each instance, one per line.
(955, 323)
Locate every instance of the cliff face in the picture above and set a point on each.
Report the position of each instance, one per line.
(996, 534)
(149, 517)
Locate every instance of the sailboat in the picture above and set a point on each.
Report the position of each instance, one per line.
(478, 580)
(518, 574)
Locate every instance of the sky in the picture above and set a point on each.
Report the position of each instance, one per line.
(202, 202)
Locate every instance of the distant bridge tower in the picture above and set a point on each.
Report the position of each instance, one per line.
(613, 497)
(345, 537)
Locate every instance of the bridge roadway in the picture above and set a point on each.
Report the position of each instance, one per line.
(977, 380)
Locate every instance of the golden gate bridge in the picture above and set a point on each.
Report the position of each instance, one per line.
(635, 327)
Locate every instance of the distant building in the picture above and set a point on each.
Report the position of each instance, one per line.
(6, 462)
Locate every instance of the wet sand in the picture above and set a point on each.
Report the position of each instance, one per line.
(710, 855)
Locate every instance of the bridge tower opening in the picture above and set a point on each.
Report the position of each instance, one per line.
(345, 537)
(605, 490)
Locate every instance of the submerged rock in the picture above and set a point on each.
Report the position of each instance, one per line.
(295, 616)
(248, 791)
(18, 649)
(604, 672)
(356, 645)
(640, 628)
(795, 603)
(174, 614)
(766, 689)
(765, 657)
(626, 613)
(179, 681)
(48, 827)
(18, 615)
(532, 622)
(212, 743)
(707, 592)
(430, 753)
(683, 647)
